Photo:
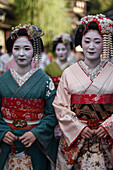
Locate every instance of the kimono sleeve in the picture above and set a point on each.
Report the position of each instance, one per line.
(108, 126)
(44, 131)
(3, 126)
(70, 125)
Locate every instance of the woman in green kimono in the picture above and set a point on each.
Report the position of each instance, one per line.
(61, 49)
(27, 117)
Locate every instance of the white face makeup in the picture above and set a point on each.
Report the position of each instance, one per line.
(61, 52)
(22, 51)
(92, 44)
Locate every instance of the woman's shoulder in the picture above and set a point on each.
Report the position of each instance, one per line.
(110, 64)
(71, 67)
(69, 71)
(51, 65)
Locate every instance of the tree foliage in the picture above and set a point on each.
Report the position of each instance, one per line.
(100, 6)
(50, 15)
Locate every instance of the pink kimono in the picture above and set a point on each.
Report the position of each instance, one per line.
(84, 98)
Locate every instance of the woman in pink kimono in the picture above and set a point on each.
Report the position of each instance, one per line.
(84, 100)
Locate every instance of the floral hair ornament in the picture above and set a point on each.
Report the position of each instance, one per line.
(105, 26)
(64, 36)
(66, 39)
(34, 33)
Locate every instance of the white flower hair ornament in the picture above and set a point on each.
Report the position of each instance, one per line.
(65, 39)
(64, 36)
(105, 25)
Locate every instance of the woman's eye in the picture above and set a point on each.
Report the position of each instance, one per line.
(16, 48)
(97, 42)
(86, 41)
(58, 49)
(27, 49)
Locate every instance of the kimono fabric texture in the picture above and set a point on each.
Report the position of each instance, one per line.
(27, 106)
(87, 100)
(55, 72)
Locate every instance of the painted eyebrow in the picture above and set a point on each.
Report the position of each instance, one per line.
(97, 39)
(24, 46)
(27, 45)
(94, 38)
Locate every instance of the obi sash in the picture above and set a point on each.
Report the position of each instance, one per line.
(92, 109)
(21, 113)
(56, 80)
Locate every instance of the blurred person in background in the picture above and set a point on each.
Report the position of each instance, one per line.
(1, 64)
(45, 60)
(61, 50)
(1, 53)
(6, 57)
(1, 67)
(48, 53)
(72, 56)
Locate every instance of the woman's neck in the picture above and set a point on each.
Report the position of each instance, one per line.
(23, 70)
(62, 61)
(92, 64)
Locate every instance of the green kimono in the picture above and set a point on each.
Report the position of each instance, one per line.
(55, 72)
(53, 69)
(38, 86)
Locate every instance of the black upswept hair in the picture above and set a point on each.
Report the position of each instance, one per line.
(81, 28)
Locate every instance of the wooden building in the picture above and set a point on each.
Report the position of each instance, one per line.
(77, 9)
(7, 18)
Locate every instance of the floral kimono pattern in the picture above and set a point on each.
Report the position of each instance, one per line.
(34, 86)
(75, 109)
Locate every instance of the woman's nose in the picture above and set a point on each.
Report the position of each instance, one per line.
(61, 51)
(21, 52)
(91, 45)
